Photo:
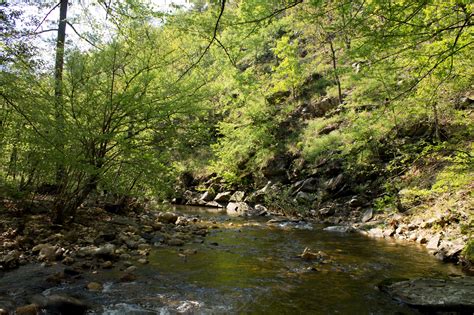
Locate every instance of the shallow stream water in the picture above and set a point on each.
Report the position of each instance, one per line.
(247, 266)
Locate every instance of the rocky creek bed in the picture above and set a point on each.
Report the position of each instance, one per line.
(207, 262)
(439, 230)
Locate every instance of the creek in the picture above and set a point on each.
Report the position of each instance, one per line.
(248, 266)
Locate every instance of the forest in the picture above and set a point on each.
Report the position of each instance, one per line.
(356, 115)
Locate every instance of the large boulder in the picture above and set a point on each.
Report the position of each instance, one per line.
(238, 196)
(433, 242)
(223, 196)
(238, 208)
(435, 295)
(208, 195)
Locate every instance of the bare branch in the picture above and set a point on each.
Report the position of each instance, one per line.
(214, 37)
(46, 16)
(83, 37)
(271, 15)
(232, 61)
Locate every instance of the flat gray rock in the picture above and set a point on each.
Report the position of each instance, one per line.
(435, 295)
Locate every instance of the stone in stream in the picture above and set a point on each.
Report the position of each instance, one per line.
(339, 229)
(10, 260)
(105, 251)
(167, 217)
(143, 261)
(68, 261)
(30, 309)
(435, 295)
(7, 305)
(107, 264)
(214, 204)
(128, 277)
(238, 208)
(175, 242)
(131, 269)
(309, 255)
(61, 304)
(94, 287)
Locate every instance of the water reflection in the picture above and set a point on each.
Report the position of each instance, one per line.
(255, 269)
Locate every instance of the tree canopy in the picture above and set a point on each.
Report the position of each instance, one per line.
(216, 88)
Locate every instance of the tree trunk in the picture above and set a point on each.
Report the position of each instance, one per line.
(336, 75)
(66, 205)
(436, 121)
(58, 84)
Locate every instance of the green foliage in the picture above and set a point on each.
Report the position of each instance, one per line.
(156, 97)
(288, 72)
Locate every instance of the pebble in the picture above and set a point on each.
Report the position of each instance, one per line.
(94, 286)
(131, 269)
(143, 261)
(107, 264)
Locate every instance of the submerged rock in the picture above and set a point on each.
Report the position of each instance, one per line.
(30, 309)
(61, 304)
(94, 287)
(339, 229)
(175, 242)
(435, 295)
(309, 255)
